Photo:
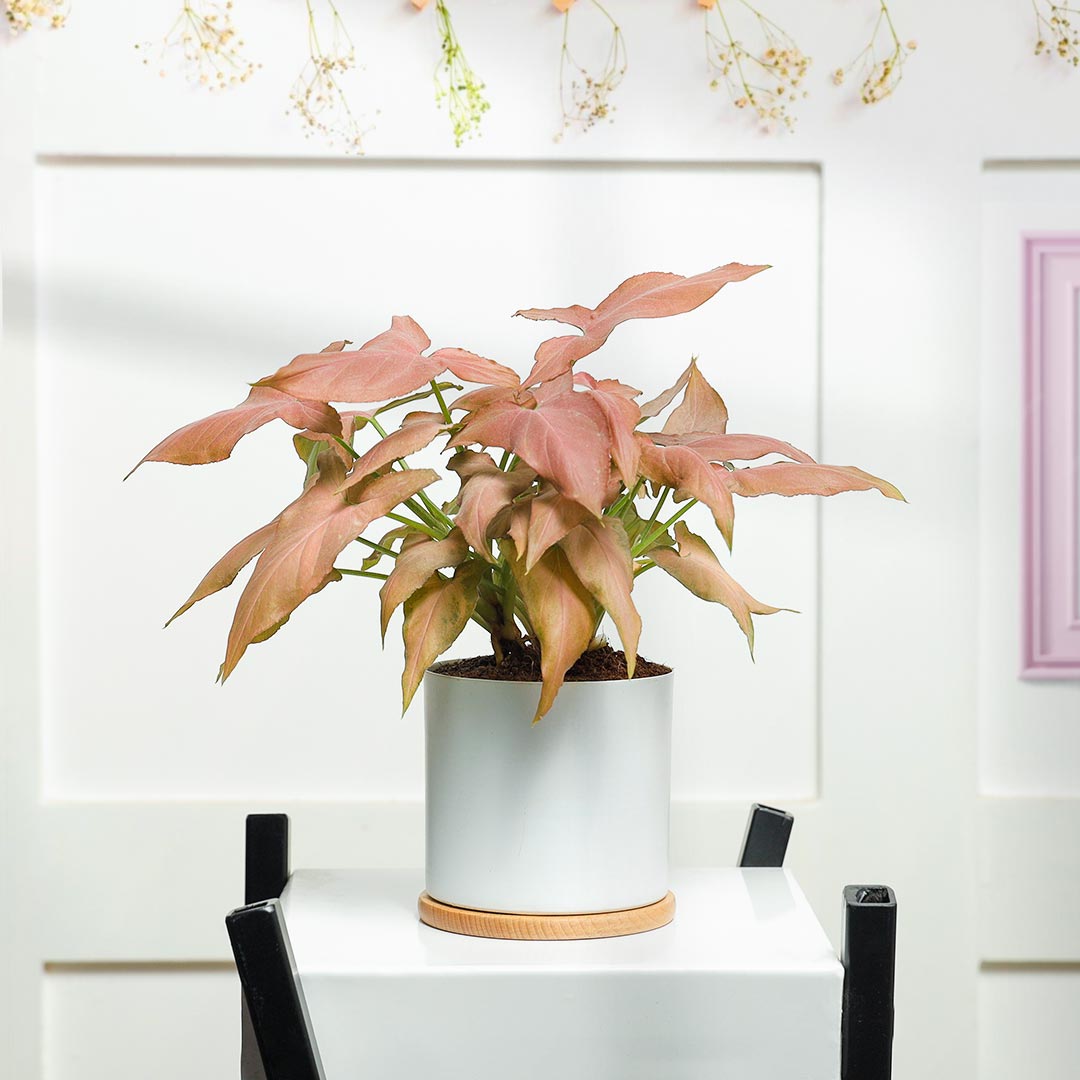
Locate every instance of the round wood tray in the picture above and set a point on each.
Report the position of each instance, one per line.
(496, 924)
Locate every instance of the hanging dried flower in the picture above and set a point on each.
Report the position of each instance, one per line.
(456, 84)
(881, 62)
(585, 94)
(211, 51)
(1055, 34)
(765, 77)
(23, 14)
(317, 96)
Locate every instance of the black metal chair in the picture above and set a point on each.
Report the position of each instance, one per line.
(279, 1043)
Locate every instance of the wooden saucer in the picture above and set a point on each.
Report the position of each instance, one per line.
(497, 924)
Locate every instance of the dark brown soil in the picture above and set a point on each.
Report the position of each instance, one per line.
(597, 665)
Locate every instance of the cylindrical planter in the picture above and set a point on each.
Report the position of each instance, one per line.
(566, 816)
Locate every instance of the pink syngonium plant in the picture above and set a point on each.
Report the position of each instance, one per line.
(535, 547)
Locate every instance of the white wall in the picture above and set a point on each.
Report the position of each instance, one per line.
(159, 247)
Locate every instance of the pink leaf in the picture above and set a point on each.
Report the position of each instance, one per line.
(690, 476)
(731, 447)
(223, 573)
(414, 566)
(486, 491)
(646, 296)
(565, 439)
(298, 559)
(696, 567)
(599, 553)
(309, 444)
(557, 356)
(417, 430)
(385, 367)
(469, 367)
(435, 615)
(616, 401)
(482, 396)
(701, 409)
(213, 438)
(788, 478)
(548, 518)
(562, 612)
(658, 404)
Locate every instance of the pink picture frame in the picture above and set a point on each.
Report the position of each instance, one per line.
(1051, 457)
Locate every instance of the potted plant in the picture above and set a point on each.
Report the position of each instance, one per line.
(548, 762)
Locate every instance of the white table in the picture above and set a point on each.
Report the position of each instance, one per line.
(743, 985)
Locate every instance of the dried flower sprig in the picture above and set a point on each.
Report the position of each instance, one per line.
(767, 78)
(317, 96)
(206, 39)
(585, 95)
(456, 83)
(21, 15)
(1055, 34)
(881, 62)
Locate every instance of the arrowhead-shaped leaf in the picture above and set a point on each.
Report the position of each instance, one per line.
(213, 438)
(543, 521)
(417, 430)
(646, 296)
(599, 553)
(696, 567)
(655, 406)
(565, 439)
(789, 478)
(223, 573)
(298, 559)
(486, 491)
(562, 612)
(414, 566)
(616, 401)
(701, 409)
(385, 367)
(732, 447)
(469, 367)
(434, 617)
(690, 476)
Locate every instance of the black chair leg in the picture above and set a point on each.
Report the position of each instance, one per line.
(272, 992)
(869, 958)
(766, 839)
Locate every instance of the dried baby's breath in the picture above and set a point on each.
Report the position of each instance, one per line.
(1055, 34)
(456, 83)
(205, 40)
(881, 63)
(23, 14)
(317, 96)
(764, 76)
(585, 94)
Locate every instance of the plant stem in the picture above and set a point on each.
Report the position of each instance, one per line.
(415, 524)
(647, 542)
(377, 547)
(442, 403)
(361, 573)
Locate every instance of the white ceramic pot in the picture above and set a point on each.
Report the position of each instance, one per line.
(569, 815)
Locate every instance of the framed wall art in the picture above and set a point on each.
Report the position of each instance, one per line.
(1051, 507)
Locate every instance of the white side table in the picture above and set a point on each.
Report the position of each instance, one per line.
(742, 985)
(343, 982)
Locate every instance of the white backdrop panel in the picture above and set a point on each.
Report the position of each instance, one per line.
(164, 287)
(1029, 732)
(130, 1023)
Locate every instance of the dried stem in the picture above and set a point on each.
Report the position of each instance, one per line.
(765, 77)
(317, 96)
(1054, 32)
(585, 95)
(22, 15)
(881, 62)
(210, 50)
(456, 83)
